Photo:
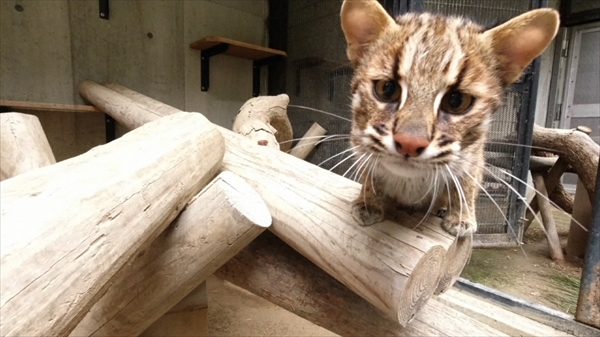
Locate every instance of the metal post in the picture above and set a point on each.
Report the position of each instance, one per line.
(588, 304)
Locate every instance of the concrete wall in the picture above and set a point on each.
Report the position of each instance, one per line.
(48, 47)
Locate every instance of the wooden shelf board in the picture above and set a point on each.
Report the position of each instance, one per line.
(36, 106)
(237, 48)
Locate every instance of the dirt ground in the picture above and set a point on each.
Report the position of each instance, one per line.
(531, 275)
(534, 277)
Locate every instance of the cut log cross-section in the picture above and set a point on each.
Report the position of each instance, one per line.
(396, 271)
(221, 220)
(23, 143)
(69, 227)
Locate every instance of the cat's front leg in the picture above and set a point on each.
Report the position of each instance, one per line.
(459, 214)
(369, 207)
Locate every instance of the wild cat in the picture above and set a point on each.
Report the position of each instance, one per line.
(424, 89)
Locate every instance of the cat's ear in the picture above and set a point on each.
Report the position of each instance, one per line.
(519, 41)
(362, 22)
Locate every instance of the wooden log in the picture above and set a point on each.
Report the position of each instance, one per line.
(458, 249)
(563, 199)
(548, 220)
(189, 317)
(124, 110)
(398, 277)
(152, 105)
(397, 271)
(581, 216)
(578, 149)
(551, 180)
(69, 227)
(264, 120)
(270, 269)
(221, 220)
(23, 145)
(309, 141)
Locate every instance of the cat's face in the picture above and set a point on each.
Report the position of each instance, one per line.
(423, 92)
(425, 86)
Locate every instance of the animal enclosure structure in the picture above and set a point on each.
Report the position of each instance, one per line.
(145, 219)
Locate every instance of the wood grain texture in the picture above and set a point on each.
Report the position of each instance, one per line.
(23, 145)
(68, 228)
(547, 218)
(577, 148)
(217, 223)
(264, 118)
(272, 270)
(396, 270)
(237, 48)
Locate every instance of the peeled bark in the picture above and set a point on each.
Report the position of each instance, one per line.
(69, 227)
(264, 120)
(216, 224)
(23, 145)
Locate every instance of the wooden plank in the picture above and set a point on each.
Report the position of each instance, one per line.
(496, 317)
(37, 106)
(237, 48)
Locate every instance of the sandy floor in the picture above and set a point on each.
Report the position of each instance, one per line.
(233, 311)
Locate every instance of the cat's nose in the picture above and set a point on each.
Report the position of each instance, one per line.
(410, 145)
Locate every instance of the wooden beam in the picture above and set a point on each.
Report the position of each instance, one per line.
(237, 48)
(548, 219)
(217, 223)
(36, 106)
(23, 145)
(69, 227)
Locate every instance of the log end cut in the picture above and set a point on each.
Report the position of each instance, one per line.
(457, 257)
(421, 284)
(244, 199)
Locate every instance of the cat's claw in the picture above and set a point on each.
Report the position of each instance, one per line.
(441, 213)
(460, 228)
(365, 215)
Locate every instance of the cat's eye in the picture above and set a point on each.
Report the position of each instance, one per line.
(456, 102)
(386, 91)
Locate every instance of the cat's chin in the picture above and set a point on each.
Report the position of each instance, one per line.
(403, 168)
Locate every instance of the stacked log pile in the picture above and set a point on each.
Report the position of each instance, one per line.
(144, 220)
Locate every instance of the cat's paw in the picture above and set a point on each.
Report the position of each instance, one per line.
(441, 213)
(366, 215)
(459, 228)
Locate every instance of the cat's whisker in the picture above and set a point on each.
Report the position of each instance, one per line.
(315, 143)
(342, 161)
(519, 243)
(336, 155)
(359, 170)
(459, 190)
(325, 137)
(372, 173)
(542, 196)
(433, 199)
(522, 145)
(318, 110)
(518, 196)
(354, 164)
(430, 187)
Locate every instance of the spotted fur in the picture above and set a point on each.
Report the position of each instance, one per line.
(427, 56)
